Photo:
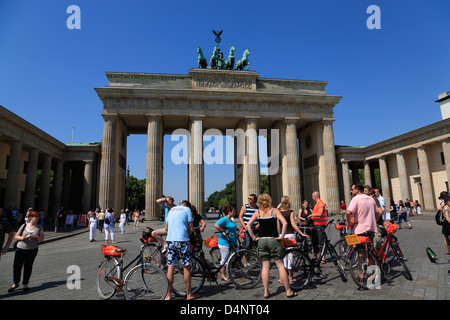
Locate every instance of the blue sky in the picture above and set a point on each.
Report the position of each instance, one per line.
(388, 78)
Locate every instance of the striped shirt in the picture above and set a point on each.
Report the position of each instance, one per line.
(249, 211)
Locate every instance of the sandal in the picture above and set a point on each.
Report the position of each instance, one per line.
(267, 296)
(294, 294)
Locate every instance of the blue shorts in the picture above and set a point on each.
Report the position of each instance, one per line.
(178, 250)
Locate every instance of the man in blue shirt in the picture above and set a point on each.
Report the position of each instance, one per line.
(167, 204)
(179, 226)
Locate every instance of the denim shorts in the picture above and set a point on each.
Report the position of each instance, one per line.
(178, 250)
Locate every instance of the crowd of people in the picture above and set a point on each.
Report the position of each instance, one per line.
(263, 225)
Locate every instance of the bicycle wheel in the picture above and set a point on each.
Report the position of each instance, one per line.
(398, 253)
(152, 255)
(301, 268)
(364, 268)
(337, 262)
(108, 270)
(216, 257)
(342, 250)
(197, 277)
(244, 269)
(146, 282)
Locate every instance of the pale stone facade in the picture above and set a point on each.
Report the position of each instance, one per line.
(25, 149)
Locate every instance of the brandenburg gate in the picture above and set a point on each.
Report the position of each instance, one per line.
(297, 115)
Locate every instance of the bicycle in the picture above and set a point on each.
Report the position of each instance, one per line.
(244, 268)
(366, 261)
(304, 267)
(142, 282)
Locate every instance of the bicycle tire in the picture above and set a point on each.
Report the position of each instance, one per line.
(152, 255)
(363, 267)
(146, 282)
(197, 277)
(302, 269)
(244, 269)
(343, 250)
(216, 256)
(334, 257)
(105, 286)
(399, 254)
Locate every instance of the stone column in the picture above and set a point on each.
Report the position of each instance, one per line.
(330, 166)
(367, 177)
(251, 165)
(293, 169)
(402, 177)
(153, 190)
(87, 186)
(446, 151)
(45, 184)
(57, 186)
(196, 181)
(346, 181)
(66, 186)
(30, 182)
(108, 163)
(13, 175)
(384, 176)
(425, 177)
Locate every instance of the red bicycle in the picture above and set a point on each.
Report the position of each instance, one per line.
(366, 261)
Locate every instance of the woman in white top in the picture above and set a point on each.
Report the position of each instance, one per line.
(122, 220)
(92, 227)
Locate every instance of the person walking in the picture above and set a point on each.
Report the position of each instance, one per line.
(179, 226)
(109, 225)
(28, 237)
(402, 214)
(101, 220)
(92, 226)
(5, 229)
(122, 221)
(224, 246)
(417, 206)
(269, 246)
(136, 216)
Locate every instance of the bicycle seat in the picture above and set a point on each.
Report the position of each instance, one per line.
(120, 250)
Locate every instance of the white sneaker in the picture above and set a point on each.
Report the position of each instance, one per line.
(164, 249)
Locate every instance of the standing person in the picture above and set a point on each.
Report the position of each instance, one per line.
(364, 211)
(109, 225)
(289, 216)
(417, 206)
(27, 249)
(245, 215)
(122, 221)
(268, 239)
(136, 216)
(446, 223)
(320, 220)
(224, 245)
(5, 228)
(179, 226)
(343, 208)
(101, 220)
(304, 213)
(382, 203)
(92, 226)
(393, 211)
(196, 236)
(58, 219)
(402, 214)
(167, 205)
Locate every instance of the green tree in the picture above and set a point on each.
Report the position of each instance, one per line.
(136, 193)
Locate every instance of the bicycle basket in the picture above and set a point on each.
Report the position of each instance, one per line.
(287, 242)
(109, 250)
(211, 242)
(391, 227)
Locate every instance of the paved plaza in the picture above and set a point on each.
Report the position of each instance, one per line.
(63, 251)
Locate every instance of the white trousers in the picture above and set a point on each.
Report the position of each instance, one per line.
(109, 231)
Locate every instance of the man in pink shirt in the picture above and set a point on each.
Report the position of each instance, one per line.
(364, 210)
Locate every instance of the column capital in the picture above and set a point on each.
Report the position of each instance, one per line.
(153, 116)
(197, 117)
(109, 116)
(253, 119)
(327, 121)
(419, 147)
(345, 161)
(291, 120)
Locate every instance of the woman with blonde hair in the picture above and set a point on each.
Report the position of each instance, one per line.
(269, 245)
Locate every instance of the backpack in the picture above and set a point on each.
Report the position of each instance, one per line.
(439, 217)
(147, 233)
